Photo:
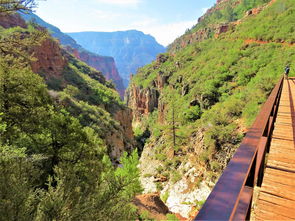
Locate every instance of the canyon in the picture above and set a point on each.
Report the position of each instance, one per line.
(131, 49)
(184, 114)
(105, 64)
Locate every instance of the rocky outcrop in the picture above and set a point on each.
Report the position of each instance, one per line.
(145, 100)
(11, 20)
(152, 204)
(49, 59)
(221, 1)
(141, 101)
(124, 140)
(182, 196)
(198, 36)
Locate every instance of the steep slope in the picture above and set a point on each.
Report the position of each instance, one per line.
(104, 64)
(195, 103)
(82, 90)
(217, 20)
(131, 49)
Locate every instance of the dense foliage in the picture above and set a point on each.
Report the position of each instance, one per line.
(53, 155)
(215, 87)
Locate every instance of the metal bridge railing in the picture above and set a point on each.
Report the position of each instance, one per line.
(231, 197)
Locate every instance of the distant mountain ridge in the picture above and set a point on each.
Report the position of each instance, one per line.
(131, 49)
(105, 64)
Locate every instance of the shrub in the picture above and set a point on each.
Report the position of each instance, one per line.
(171, 217)
(165, 196)
(176, 176)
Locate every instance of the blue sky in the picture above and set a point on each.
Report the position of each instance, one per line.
(164, 19)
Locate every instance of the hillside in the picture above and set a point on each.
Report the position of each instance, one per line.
(63, 128)
(131, 49)
(193, 105)
(105, 64)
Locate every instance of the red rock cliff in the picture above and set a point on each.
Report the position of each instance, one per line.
(49, 59)
(12, 20)
(145, 100)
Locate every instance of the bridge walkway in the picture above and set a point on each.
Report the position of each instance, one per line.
(276, 199)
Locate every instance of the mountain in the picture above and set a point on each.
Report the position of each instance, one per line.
(193, 104)
(105, 64)
(131, 49)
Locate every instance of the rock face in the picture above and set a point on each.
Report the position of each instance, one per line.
(11, 20)
(123, 141)
(200, 35)
(131, 49)
(145, 100)
(141, 101)
(50, 60)
(181, 195)
(153, 205)
(105, 64)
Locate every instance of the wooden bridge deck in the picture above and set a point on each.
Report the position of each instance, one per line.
(276, 200)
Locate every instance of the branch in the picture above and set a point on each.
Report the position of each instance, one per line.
(7, 6)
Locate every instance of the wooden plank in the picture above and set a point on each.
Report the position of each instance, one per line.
(270, 215)
(281, 166)
(277, 200)
(280, 180)
(278, 209)
(283, 157)
(280, 173)
(283, 142)
(281, 151)
(277, 196)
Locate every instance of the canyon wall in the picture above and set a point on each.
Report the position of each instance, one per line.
(105, 64)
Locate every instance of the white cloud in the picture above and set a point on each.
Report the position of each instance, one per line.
(164, 33)
(106, 15)
(143, 22)
(120, 2)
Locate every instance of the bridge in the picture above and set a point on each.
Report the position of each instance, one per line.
(264, 165)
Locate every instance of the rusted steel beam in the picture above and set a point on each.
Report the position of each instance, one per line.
(244, 204)
(262, 148)
(227, 194)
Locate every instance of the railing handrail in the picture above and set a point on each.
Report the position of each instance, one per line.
(229, 198)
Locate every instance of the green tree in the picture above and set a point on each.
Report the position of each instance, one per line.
(24, 101)
(18, 200)
(99, 193)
